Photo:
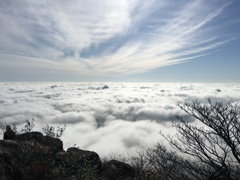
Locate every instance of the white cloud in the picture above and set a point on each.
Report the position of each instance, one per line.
(121, 119)
(59, 26)
(119, 37)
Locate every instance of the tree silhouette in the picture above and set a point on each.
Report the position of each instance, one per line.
(216, 144)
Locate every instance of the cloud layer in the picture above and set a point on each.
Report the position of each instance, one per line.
(121, 119)
(111, 37)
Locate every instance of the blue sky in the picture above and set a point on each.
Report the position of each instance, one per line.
(123, 40)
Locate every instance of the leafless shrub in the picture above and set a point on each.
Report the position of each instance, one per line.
(55, 132)
(215, 146)
(28, 127)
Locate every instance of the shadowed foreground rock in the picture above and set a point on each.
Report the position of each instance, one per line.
(32, 156)
(116, 170)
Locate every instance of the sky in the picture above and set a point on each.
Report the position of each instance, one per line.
(119, 120)
(123, 40)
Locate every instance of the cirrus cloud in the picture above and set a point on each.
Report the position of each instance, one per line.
(110, 37)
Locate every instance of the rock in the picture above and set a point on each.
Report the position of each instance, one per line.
(117, 170)
(9, 134)
(34, 156)
(11, 167)
(77, 163)
(39, 142)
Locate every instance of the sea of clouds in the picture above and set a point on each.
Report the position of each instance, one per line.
(109, 118)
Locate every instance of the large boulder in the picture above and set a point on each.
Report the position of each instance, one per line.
(117, 170)
(37, 143)
(9, 134)
(77, 164)
(11, 166)
(34, 156)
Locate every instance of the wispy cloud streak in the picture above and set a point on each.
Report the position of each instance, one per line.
(117, 37)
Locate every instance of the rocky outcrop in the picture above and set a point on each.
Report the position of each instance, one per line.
(117, 170)
(34, 156)
(9, 134)
(11, 166)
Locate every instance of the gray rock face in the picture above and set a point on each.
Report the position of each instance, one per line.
(11, 167)
(32, 156)
(117, 170)
(9, 134)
